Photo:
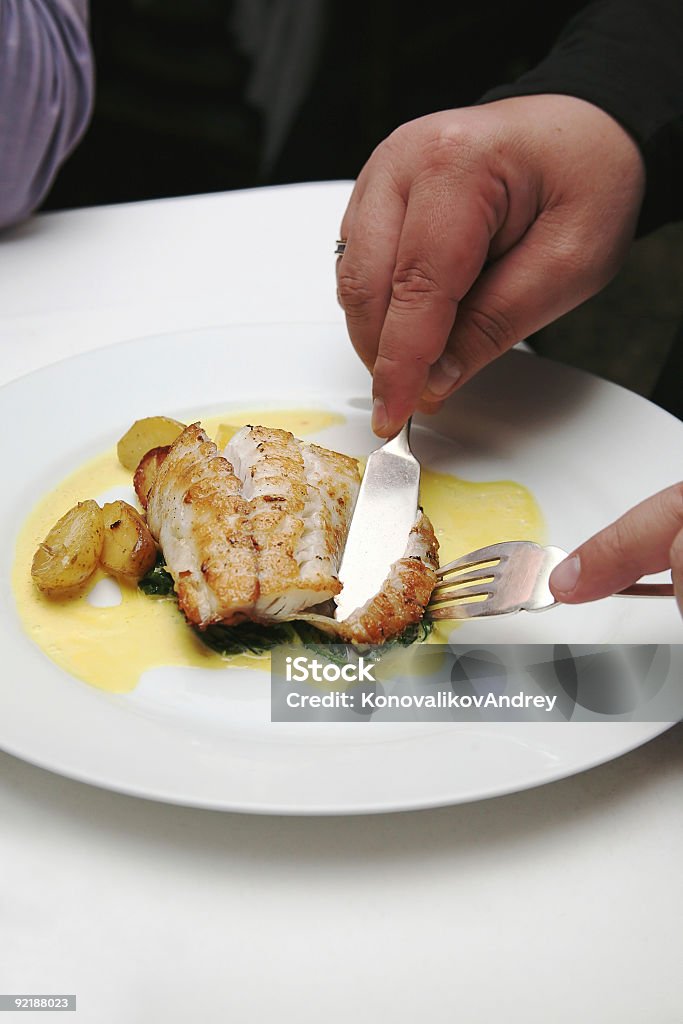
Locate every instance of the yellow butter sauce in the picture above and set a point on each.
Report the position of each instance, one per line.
(111, 647)
(468, 515)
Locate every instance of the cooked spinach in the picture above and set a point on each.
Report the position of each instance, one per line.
(252, 638)
(158, 582)
(415, 634)
(247, 638)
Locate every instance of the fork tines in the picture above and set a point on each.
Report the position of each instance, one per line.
(466, 577)
(496, 580)
(467, 581)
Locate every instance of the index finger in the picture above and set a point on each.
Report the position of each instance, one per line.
(442, 248)
(639, 542)
(371, 227)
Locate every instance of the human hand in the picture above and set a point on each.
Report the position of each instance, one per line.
(649, 538)
(470, 229)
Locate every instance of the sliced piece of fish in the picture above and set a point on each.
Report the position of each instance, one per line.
(301, 498)
(402, 598)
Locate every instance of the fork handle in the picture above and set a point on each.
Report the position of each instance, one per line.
(647, 590)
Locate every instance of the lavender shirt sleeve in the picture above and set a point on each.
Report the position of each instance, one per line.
(46, 94)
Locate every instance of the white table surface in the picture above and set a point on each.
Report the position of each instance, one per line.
(560, 904)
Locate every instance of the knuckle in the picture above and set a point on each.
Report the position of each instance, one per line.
(354, 293)
(396, 141)
(451, 144)
(438, 143)
(387, 361)
(577, 257)
(461, 154)
(621, 548)
(564, 240)
(619, 539)
(412, 284)
(589, 275)
(571, 254)
(676, 551)
(494, 327)
(677, 498)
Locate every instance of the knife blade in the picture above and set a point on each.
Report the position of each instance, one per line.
(383, 517)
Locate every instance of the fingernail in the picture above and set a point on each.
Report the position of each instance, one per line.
(565, 576)
(443, 376)
(380, 420)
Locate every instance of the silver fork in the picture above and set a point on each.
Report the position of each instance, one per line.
(508, 577)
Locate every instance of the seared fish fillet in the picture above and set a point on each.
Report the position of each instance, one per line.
(257, 534)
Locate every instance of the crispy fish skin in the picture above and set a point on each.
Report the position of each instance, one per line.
(197, 514)
(301, 498)
(402, 598)
(405, 593)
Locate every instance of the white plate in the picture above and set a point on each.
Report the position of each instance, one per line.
(586, 449)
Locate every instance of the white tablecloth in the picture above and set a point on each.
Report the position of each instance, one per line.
(560, 904)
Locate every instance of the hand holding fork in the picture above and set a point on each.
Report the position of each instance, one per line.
(517, 575)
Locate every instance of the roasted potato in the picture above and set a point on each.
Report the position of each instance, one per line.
(146, 473)
(129, 549)
(71, 551)
(151, 432)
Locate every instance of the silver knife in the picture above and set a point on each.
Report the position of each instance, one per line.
(382, 519)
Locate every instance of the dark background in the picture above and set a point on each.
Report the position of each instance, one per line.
(171, 118)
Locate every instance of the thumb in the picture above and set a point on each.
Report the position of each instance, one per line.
(543, 276)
